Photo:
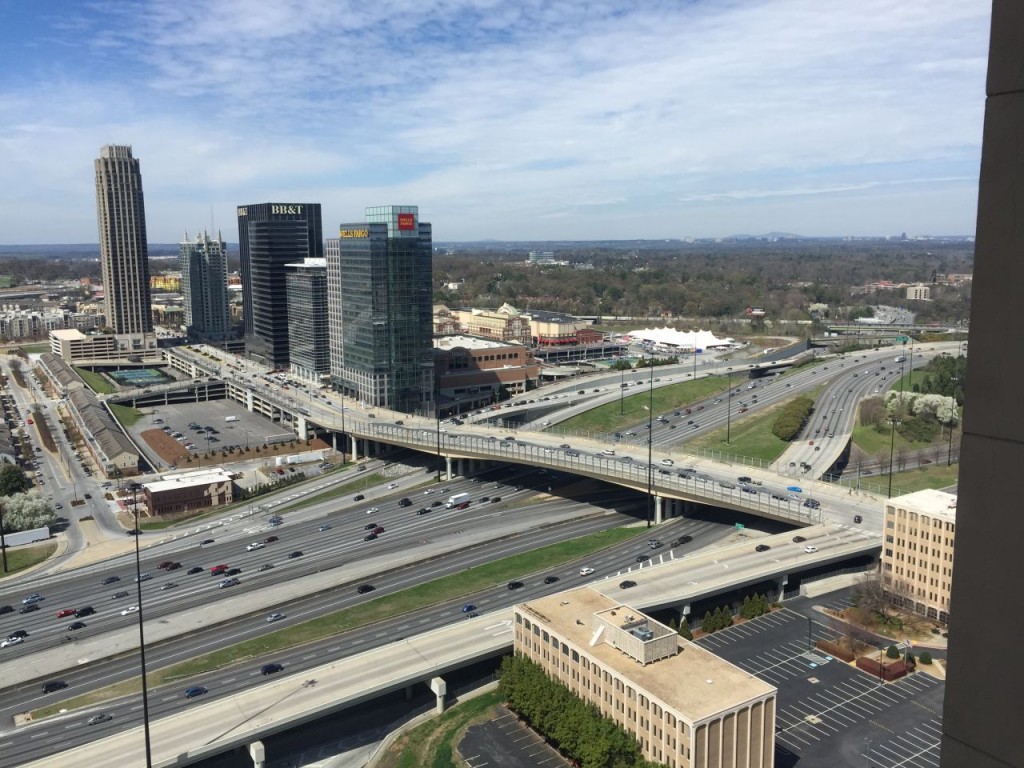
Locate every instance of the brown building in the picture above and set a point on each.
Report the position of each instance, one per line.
(917, 559)
(686, 707)
(471, 372)
(189, 492)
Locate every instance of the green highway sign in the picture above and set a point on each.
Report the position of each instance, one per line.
(902, 339)
(739, 526)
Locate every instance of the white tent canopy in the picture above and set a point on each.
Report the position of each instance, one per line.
(670, 337)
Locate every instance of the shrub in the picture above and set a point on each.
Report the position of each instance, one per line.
(893, 652)
(684, 629)
(925, 657)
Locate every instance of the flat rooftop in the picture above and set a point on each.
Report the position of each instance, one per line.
(469, 342)
(928, 502)
(189, 480)
(695, 682)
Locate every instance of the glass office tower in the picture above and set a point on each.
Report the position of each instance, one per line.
(384, 269)
(204, 285)
(308, 352)
(271, 236)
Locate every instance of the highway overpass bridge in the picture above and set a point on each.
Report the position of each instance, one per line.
(241, 720)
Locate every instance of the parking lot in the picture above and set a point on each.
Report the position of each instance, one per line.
(829, 713)
(505, 742)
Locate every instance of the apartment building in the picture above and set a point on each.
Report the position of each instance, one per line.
(686, 707)
(917, 558)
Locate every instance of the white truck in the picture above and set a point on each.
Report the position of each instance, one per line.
(230, 418)
(454, 501)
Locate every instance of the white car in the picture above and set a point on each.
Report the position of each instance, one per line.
(130, 609)
(586, 571)
(11, 641)
(372, 510)
(667, 462)
(254, 546)
(392, 486)
(274, 617)
(809, 548)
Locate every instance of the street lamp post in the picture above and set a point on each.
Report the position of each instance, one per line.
(142, 636)
(728, 412)
(437, 413)
(3, 544)
(650, 449)
(622, 387)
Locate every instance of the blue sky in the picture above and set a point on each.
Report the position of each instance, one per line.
(610, 119)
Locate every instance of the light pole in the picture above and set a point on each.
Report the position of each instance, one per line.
(650, 449)
(893, 421)
(622, 387)
(953, 418)
(3, 544)
(142, 636)
(437, 413)
(728, 411)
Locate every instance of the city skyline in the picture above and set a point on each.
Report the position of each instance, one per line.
(536, 121)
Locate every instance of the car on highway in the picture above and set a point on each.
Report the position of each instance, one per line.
(370, 536)
(168, 585)
(54, 685)
(33, 599)
(143, 577)
(204, 542)
(195, 690)
(362, 589)
(228, 583)
(550, 579)
(515, 585)
(85, 610)
(295, 554)
(586, 571)
(423, 511)
(269, 669)
(254, 546)
(270, 539)
(761, 548)
(130, 609)
(799, 539)
(642, 558)
(76, 625)
(372, 511)
(173, 567)
(102, 717)
(858, 519)
(627, 584)
(232, 571)
(392, 486)
(468, 608)
(9, 641)
(6, 609)
(133, 532)
(119, 595)
(810, 549)
(111, 580)
(165, 564)
(271, 618)
(195, 569)
(667, 462)
(265, 567)
(65, 612)
(324, 527)
(217, 570)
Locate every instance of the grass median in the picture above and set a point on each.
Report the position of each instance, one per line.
(20, 559)
(450, 587)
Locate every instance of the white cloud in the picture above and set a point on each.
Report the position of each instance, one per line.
(527, 119)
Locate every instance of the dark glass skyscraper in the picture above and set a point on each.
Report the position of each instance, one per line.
(308, 351)
(271, 236)
(384, 272)
(124, 253)
(204, 285)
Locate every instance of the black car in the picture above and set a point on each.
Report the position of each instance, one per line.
(422, 511)
(515, 585)
(85, 610)
(495, 499)
(436, 503)
(269, 669)
(19, 633)
(134, 532)
(195, 569)
(111, 580)
(681, 540)
(799, 539)
(369, 526)
(293, 555)
(358, 497)
(6, 609)
(362, 589)
(627, 584)
(204, 542)
(29, 608)
(761, 548)
(119, 595)
(76, 625)
(54, 685)
(370, 536)
(550, 579)
(232, 571)
(484, 499)
(405, 503)
(858, 519)
(642, 558)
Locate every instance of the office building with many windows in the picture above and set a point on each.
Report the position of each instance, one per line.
(687, 707)
(271, 236)
(124, 253)
(382, 274)
(204, 286)
(308, 350)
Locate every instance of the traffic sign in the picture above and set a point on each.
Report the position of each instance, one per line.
(902, 339)
(740, 526)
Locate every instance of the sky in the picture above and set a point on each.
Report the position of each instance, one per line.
(500, 119)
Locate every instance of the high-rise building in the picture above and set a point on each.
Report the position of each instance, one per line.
(271, 236)
(308, 351)
(124, 255)
(332, 249)
(204, 284)
(383, 277)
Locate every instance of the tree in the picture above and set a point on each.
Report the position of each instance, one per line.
(25, 511)
(747, 611)
(13, 480)
(926, 658)
(893, 652)
(684, 629)
(708, 624)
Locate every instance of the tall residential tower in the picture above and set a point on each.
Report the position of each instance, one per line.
(124, 255)
(383, 276)
(204, 284)
(271, 236)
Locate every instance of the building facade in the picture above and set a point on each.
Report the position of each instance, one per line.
(204, 286)
(685, 706)
(308, 350)
(919, 292)
(383, 278)
(189, 492)
(917, 557)
(335, 340)
(124, 254)
(271, 236)
(472, 372)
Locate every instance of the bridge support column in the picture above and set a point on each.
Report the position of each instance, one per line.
(303, 428)
(781, 583)
(657, 510)
(408, 692)
(448, 467)
(440, 688)
(258, 754)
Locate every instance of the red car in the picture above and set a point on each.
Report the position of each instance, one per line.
(270, 539)
(65, 612)
(217, 570)
(164, 564)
